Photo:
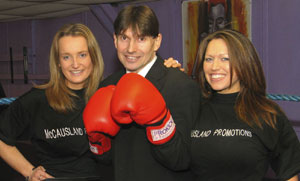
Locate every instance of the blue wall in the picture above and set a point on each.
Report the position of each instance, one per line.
(275, 34)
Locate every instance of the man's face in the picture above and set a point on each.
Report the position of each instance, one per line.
(217, 18)
(135, 51)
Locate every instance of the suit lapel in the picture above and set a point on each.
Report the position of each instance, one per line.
(157, 73)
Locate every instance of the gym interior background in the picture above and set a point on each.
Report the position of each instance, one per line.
(274, 32)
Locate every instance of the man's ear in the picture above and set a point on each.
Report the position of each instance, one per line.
(115, 40)
(157, 42)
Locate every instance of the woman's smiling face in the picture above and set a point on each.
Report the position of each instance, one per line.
(216, 68)
(75, 61)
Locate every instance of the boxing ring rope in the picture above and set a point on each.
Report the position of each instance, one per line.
(283, 97)
(7, 100)
(275, 97)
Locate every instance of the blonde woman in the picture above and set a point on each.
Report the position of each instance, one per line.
(50, 115)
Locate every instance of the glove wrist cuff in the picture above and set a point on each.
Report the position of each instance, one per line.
(100, 146)
(163, 133)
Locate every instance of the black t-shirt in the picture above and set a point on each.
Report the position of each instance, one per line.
(59, 139)
(226, 148)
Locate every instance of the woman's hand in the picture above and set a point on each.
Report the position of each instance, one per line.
(171, 62)
(39, 173)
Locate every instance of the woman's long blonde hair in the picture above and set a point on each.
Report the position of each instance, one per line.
(58, 94)
(252, 106)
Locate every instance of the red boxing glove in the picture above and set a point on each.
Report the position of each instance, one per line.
(98, 121)
(136, 99)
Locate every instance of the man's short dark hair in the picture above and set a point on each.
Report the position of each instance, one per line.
(141, 19)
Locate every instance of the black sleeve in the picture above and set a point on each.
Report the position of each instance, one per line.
(184, 107)
(286, 156)
(14, 122)
(2, 93)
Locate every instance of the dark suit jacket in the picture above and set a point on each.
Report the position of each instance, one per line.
(134, 157)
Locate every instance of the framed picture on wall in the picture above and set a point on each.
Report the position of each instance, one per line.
(201, 17)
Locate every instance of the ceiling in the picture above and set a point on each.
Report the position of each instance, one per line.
(12, 10)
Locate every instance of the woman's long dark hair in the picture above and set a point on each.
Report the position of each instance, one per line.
(252, 106)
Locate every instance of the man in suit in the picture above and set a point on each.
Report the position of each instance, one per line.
(137, 40)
